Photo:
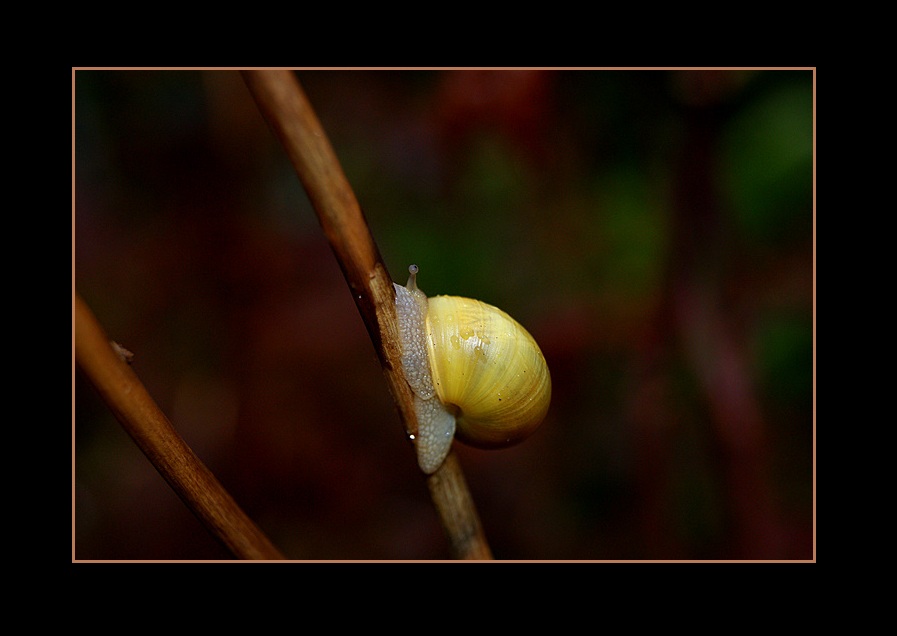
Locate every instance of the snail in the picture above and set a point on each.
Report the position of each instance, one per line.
(475, 372)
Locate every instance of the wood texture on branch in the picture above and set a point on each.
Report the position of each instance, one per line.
(132, 405)
(288, 112)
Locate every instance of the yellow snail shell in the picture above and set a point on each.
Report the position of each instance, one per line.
(474, 370)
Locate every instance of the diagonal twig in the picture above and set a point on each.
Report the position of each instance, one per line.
(106, 368)
(284, 105)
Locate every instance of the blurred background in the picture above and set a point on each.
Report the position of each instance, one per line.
(654, 230)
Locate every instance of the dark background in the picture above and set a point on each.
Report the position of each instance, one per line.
(654, 230)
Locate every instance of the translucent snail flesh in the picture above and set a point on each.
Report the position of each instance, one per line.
(475, 373)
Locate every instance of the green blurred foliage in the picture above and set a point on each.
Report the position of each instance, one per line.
(768, 164)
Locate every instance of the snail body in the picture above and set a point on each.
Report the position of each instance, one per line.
(475, 372)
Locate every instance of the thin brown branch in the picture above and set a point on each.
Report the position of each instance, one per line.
(107, 369)
(456, 510)
(287, 110)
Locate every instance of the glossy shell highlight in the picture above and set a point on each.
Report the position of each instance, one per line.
(487, 369)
